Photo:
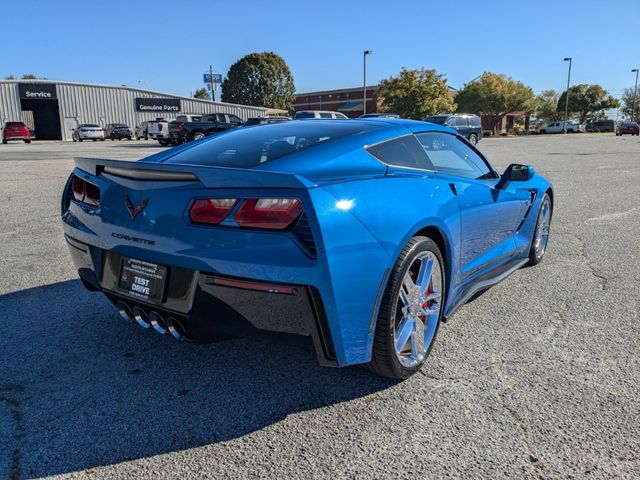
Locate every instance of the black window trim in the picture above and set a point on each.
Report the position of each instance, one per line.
(468, 144)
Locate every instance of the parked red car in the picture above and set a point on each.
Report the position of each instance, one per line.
(628, 128)
(16, 131)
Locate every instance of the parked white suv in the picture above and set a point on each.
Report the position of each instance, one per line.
(558, 127)
(319, 114)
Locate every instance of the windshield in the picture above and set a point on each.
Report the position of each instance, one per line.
(90, 125)
(251, 147)
(438, 119)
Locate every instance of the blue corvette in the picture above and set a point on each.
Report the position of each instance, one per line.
(359, 236)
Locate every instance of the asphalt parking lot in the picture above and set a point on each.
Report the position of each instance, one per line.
(539, 377)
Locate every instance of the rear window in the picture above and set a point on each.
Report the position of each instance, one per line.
(438, 119)
(251, 147)
(474, 121)
(15, 124)
(90, 125)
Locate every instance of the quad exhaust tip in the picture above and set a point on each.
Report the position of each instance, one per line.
(171, 325)
(124, 311)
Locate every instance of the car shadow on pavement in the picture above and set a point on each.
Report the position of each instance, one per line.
(85, 389)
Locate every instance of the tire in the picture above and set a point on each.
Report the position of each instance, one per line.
(4, 142)
(541, 233)
(95, 139)
(542, 132)
(395, 323)
(74, 139)
(128, 138)
(164, 143)
(80, 139)
(27, 141)
(198, 136)
(473, 139)
(146, 137)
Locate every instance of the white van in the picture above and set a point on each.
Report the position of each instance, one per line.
(319, 114)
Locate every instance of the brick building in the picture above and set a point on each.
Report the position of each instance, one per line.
(345, 100)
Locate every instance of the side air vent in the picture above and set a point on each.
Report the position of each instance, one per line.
(302, 230)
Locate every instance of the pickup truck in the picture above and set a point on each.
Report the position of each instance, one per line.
(158, 129)
(558, 127)
(180, 132)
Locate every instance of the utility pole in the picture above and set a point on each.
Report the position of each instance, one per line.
(635, 96)
(213, 98)
(566, 103)
(364, 81)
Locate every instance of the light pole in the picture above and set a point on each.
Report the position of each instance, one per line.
(566, 103)
(635, 95)
(364, 81)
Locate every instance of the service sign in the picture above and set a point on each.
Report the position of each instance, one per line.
(39, 91)
(158, 104)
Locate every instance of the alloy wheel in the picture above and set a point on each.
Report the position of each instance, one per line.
(418, 309)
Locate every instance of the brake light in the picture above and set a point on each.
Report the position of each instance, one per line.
(84, 191)
(211, 210)
(273, 213)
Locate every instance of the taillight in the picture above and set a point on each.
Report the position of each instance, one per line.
(273, 213)
(84, 191)
(211, 210)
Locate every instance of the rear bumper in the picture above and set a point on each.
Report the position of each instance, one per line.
(16, 137)
(210, 304)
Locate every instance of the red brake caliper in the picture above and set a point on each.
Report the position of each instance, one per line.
(426, 304)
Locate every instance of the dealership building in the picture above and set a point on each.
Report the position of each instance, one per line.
(53, 109)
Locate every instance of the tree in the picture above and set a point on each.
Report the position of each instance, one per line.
(260, 79)
(494, 95)
(547, 106)
(587, 101)
(627, 102)
(416, 94)
(26, 76)
(202, 94)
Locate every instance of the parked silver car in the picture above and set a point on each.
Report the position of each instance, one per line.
(88, 131)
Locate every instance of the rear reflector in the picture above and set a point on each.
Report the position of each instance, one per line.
(258, 287)
(273, 213)
(211, 211)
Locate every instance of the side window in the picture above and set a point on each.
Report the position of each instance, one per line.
(474, 121)
(451, 122)
(235, 120)
(451, 156)
(403, 152)
(326, 115)
(461, 121)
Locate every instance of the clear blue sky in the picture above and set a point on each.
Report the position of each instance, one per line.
(169, 44)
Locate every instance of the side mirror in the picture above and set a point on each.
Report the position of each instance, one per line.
(516, 172)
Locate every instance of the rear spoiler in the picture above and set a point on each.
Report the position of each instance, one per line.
(209, 176)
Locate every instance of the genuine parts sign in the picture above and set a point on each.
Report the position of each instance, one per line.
(157, 104)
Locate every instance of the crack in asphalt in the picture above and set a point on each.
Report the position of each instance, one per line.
(601, 278)
(15, 406)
